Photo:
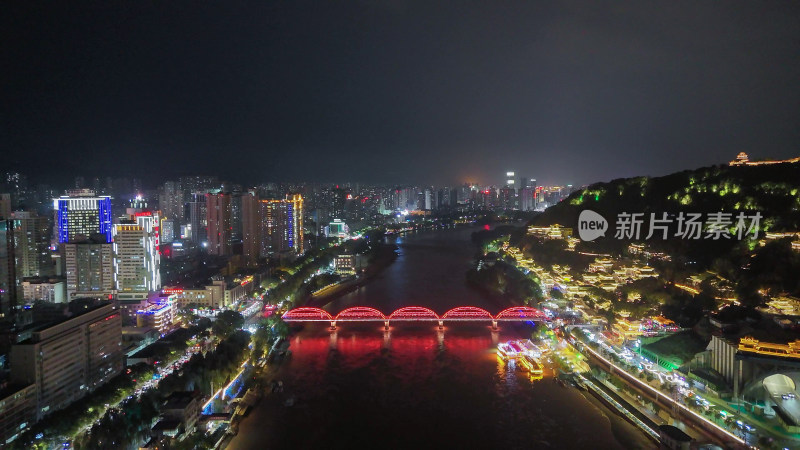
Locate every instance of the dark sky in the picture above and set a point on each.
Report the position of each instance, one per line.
(426, 92)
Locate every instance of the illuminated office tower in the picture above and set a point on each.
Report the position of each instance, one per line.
(219, 226)
(271, 226)
(82, 214)
(136, 257)
(32, 236)
(510, 179)
(151, 224)
(89, 268)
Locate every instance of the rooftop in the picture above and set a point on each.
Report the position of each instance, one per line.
(179, 400)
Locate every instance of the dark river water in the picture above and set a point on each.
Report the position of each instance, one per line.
(419, 387)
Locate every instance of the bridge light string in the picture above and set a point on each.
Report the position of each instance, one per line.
(411, 313)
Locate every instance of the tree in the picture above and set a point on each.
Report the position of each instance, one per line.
(226, 323)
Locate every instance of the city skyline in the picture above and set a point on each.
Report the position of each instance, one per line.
(241, 225)
(403, 92)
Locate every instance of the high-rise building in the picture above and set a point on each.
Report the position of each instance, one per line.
(507, 198)
(527, 199)
(286, 223)
(197, 217)
(32, 236)
(136, 257)
(82, 214)
(511, 179)
(252, 233)
(8, 275)
(168, 230)
(171, 201)
(445, 197)
(339, 197)
(236, 219)
(271, 226)
(430, 200)
(5, 206)
(68, 359)
(464, 194)
(218, 219)
(89, 266)
(13, 186)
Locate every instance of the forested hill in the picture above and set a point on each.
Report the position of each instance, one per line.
(773, 190)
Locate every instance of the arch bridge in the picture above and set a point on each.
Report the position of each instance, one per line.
(414, 314)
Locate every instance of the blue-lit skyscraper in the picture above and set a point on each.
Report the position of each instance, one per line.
(82, 214)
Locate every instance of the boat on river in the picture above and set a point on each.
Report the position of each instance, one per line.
(531, 364)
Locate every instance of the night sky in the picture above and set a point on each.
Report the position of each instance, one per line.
(394, 91)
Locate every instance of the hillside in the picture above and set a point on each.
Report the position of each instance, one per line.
(774, 190)
(771, 190)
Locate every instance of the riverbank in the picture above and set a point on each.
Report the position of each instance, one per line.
(499, 300)
(383, 258)
(624, 432)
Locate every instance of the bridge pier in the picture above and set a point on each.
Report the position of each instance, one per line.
(441, 324)
(494, 324)
(386, 325)
(333, 325)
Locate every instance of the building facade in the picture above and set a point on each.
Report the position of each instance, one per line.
(272, 226)
(71, 358)
(82, 214)
(89, 268)
(50, 290)
(723, 357)
(219, 225)
(8, 273)
(171, 201)
(197, 218)
(32, 238)
(17, 410)
(137, 261)
(159, 314)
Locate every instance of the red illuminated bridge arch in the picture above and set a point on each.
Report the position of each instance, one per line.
(306, 314)
(414, 313)
(360, 314)
(520, 313)
(467, 313)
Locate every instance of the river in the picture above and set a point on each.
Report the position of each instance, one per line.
(417, 386)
